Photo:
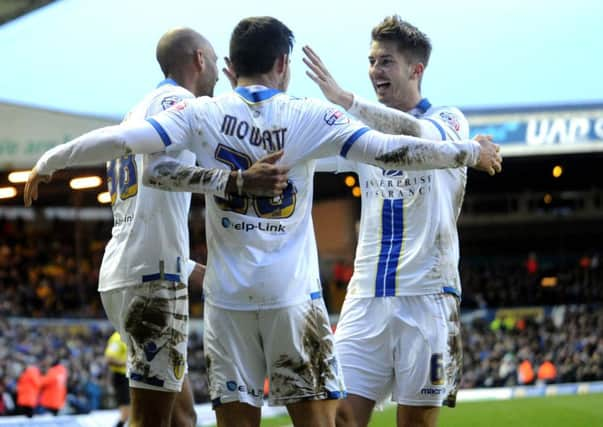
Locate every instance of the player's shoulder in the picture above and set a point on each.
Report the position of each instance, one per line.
(193, 105)
(321, 111)
(452, 117)
(169, 95)
(160, 99)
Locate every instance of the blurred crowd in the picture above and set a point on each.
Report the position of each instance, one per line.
(47, 274)
(521, 349)
(566, 346)
(27, 347)
(492, 282)
(55, 274)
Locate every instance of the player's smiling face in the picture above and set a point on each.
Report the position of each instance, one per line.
(391, 75)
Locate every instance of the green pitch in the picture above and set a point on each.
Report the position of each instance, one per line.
(553, 411)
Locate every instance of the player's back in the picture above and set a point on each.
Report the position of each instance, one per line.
(150, 228)
(262, 252)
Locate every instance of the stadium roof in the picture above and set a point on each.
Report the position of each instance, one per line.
(11, 9)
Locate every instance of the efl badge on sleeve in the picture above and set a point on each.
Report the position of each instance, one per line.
(168, 101)
(335, 117)
(451, 120)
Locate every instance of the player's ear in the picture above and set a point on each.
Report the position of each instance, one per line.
(282, 64)
(418, 69)
(198, 59)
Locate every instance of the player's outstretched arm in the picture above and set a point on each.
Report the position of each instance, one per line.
(377, 116)
(405, 152)
(263, 178)
(390, 120)
(93, 148)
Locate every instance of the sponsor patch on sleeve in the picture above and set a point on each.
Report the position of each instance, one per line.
(169, 101)
(334, 116)
(451, 120)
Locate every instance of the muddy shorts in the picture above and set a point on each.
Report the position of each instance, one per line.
(152, 319)
(408, 347)
(292, 346)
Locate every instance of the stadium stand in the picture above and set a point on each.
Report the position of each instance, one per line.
(41, 278)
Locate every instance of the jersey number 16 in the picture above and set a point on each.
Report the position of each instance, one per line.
(121, 178)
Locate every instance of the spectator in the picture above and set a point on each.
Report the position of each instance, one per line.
(28, 390)
(116, 354)
(547, 372)
(53, 393)
(532, 264)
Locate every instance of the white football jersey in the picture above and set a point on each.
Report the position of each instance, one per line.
(262, 251)
(408, 241)
(150, 229)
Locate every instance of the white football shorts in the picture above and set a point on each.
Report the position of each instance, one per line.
(409, 346)
(292, 346)
(152, 319)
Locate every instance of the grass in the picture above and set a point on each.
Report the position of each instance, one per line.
(553, 411)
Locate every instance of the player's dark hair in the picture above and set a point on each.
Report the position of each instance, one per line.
(256, 43)
(412, 43)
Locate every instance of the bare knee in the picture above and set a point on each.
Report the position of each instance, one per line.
(183, 414)
(237, 414)
(417, 416)
(184, 418)
(151, 408)
(354, 411)
(313, 413)
(345, 415)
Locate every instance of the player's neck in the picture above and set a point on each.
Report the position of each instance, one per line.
(410, 102)
(185, 81)
(261, 80)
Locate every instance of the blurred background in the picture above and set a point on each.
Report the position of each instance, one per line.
(531, 238)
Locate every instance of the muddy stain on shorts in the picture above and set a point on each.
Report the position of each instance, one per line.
(308, 374)
(455, 350)
(147, 318)
(148, 322)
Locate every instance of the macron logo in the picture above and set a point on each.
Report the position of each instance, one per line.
(430, 390)
(250, 226)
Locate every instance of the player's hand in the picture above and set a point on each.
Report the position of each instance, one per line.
(31, 186)
(264, 178)
(321, 76)
(490, 159)
(229, 72)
